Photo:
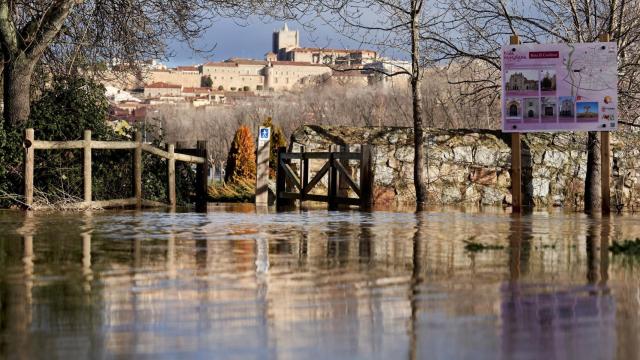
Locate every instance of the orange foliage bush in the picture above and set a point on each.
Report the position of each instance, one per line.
(241, 162)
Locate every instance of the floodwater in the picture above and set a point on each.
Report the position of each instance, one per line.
(240, 284)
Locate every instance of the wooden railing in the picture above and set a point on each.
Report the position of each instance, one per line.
(198, 156)
(291, 186)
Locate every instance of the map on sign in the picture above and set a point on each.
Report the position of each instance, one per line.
(559, 87)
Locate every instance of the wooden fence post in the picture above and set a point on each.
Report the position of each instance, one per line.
(305, 174)
(171, 174)
(281, 182)
(333, 182)
(29, 159)
(87, 168)
(605, 162)
(280, 177)
(366, 178)
(516, 159)
(343, 185)
(137, 170)
(202, 177)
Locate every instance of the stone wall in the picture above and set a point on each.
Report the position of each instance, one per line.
(472, 166)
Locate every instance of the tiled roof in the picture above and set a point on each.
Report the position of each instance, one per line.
(163, 85)
(186, 68)
(307, 49)
(294, 63)
(196, 90)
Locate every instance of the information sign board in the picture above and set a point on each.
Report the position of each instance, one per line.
(559, 87)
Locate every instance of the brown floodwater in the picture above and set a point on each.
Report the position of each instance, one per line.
(237, 283)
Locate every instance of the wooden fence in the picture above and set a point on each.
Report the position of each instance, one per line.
(197, 156)
(290, 186)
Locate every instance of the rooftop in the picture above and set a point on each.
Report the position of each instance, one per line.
(308, 49)
(163, 85)
(186, 68)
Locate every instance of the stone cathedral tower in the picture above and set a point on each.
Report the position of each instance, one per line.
(285, 40)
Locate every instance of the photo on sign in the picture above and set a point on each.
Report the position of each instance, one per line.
(608, 113)
(566, 109)
(513, 109)
(522, 82)
(549, 109)
(531, 110)
(548, 82)
(587, 111)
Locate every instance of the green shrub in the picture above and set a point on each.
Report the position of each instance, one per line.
(62, 113)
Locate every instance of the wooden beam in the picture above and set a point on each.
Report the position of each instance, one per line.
(171, 175)
(281, 181)
(293, 178)
(333, 184)
(53, 145)
(605, 162)
(316, 179)
(87, 167)
(29, 159)
(114, 145)
(516, 159)
(346, 177)
(366, 177)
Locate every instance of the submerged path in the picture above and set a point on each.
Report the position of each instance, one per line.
(235, 283)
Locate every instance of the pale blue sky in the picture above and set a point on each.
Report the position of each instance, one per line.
(250, 40)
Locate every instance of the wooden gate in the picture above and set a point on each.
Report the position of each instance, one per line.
(292, 185)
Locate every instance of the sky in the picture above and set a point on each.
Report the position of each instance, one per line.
(250, 40)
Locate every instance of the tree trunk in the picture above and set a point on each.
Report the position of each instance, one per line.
(16, 94)
(592, 199)
(419, 178)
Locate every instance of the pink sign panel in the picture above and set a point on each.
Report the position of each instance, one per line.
(559, 87)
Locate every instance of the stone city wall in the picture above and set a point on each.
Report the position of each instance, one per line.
(472, 166)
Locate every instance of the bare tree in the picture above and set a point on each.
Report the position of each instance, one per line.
(76, 34)
(394, 27)
(474, 31)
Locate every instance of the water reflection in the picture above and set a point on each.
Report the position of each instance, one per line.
(316, 284)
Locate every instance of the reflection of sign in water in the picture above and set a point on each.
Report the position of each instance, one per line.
(543, 322)
(265, 134)
(559, 87)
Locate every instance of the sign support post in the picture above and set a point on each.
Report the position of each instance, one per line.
(516, 159)
(605, 162)
(262, 173)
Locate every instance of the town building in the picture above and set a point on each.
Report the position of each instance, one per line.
(188, 76)
(159, 89)
(286, 47)
(285, 75)
(285, 40)
(234, 74)
(389, 73)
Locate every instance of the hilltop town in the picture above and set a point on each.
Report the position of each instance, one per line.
(287, 67)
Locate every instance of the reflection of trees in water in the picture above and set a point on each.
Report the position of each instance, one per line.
(416, 280)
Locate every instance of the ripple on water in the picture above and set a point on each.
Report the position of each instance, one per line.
(235, 283)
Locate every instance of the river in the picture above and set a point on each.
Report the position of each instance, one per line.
(237, 283)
